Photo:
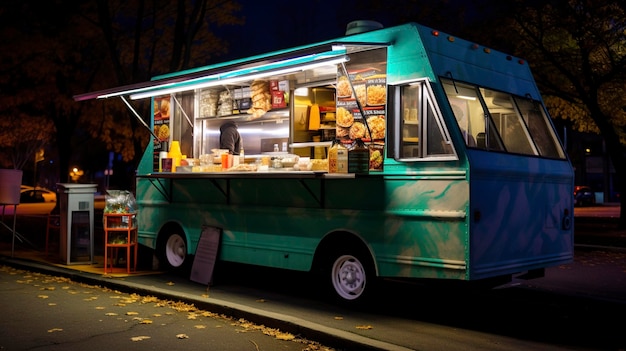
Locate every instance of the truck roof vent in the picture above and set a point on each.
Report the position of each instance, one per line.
(362, 26)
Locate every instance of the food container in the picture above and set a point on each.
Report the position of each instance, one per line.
(217, 155)
(288, 162)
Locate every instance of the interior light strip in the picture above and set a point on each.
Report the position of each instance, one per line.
(217, 80)
(292, 64)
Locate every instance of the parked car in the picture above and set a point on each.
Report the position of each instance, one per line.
(584, 196)
(31, 195)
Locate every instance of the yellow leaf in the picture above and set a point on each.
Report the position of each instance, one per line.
(139, 338)
(339, 318)
(100, 308)
(42, 296)
(182, 336)
(54, 330)
(199, 326)
(110, 314)
(145, 321)
(170, 283)
(132, 313)
(284, 336)
(52, 304)
(364, 327)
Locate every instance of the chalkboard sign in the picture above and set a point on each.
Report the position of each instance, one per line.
(206, 255)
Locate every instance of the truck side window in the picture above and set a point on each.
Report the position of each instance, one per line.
(422, 133)
(410, 102)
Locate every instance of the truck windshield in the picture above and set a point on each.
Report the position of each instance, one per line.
(499, 121)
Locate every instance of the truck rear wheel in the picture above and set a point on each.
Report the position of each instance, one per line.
(173, 251)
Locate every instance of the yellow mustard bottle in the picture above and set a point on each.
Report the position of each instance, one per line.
(175, 154)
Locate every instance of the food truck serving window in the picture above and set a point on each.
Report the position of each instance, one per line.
(422, 133)
(498, 121)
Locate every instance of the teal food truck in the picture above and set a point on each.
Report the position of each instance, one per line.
(464, 177)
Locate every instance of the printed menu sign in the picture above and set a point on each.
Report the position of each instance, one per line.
(361, 107)
(161, 128)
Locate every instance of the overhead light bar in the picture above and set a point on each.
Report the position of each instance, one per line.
(335, 52)
(233, 77)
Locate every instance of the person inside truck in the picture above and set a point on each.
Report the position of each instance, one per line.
(230, 139)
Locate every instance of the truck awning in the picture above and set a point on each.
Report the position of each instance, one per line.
(233, 72)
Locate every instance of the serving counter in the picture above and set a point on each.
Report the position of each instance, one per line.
(164, 181)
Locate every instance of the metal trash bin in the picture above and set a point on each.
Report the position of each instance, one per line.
(76, 206)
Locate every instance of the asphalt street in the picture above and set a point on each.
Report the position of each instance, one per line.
(595, 283)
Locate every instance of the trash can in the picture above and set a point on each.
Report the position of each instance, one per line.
(76, 206)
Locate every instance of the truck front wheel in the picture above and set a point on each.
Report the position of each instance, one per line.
(174, 251)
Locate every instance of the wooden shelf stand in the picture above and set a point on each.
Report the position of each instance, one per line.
(120, 232)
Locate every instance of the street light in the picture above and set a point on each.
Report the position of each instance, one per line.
(75, 174)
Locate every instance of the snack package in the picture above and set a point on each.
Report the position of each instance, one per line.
(119, 201)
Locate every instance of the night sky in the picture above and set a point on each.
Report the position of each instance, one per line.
(281, 24)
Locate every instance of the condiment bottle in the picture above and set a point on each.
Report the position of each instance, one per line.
(332, 156)
(358, 158)
(175, 155)
(342, 158)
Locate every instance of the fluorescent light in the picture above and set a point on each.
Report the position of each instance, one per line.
(216, 80)
(464, 97)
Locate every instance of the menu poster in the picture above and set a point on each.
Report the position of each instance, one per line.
(161, 127)
(364, 85)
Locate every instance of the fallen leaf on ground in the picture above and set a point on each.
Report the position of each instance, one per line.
(285, 336)
(139, 338)
(182, 336)
(364, 327)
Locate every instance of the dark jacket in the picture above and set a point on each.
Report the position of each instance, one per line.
(230, 138)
